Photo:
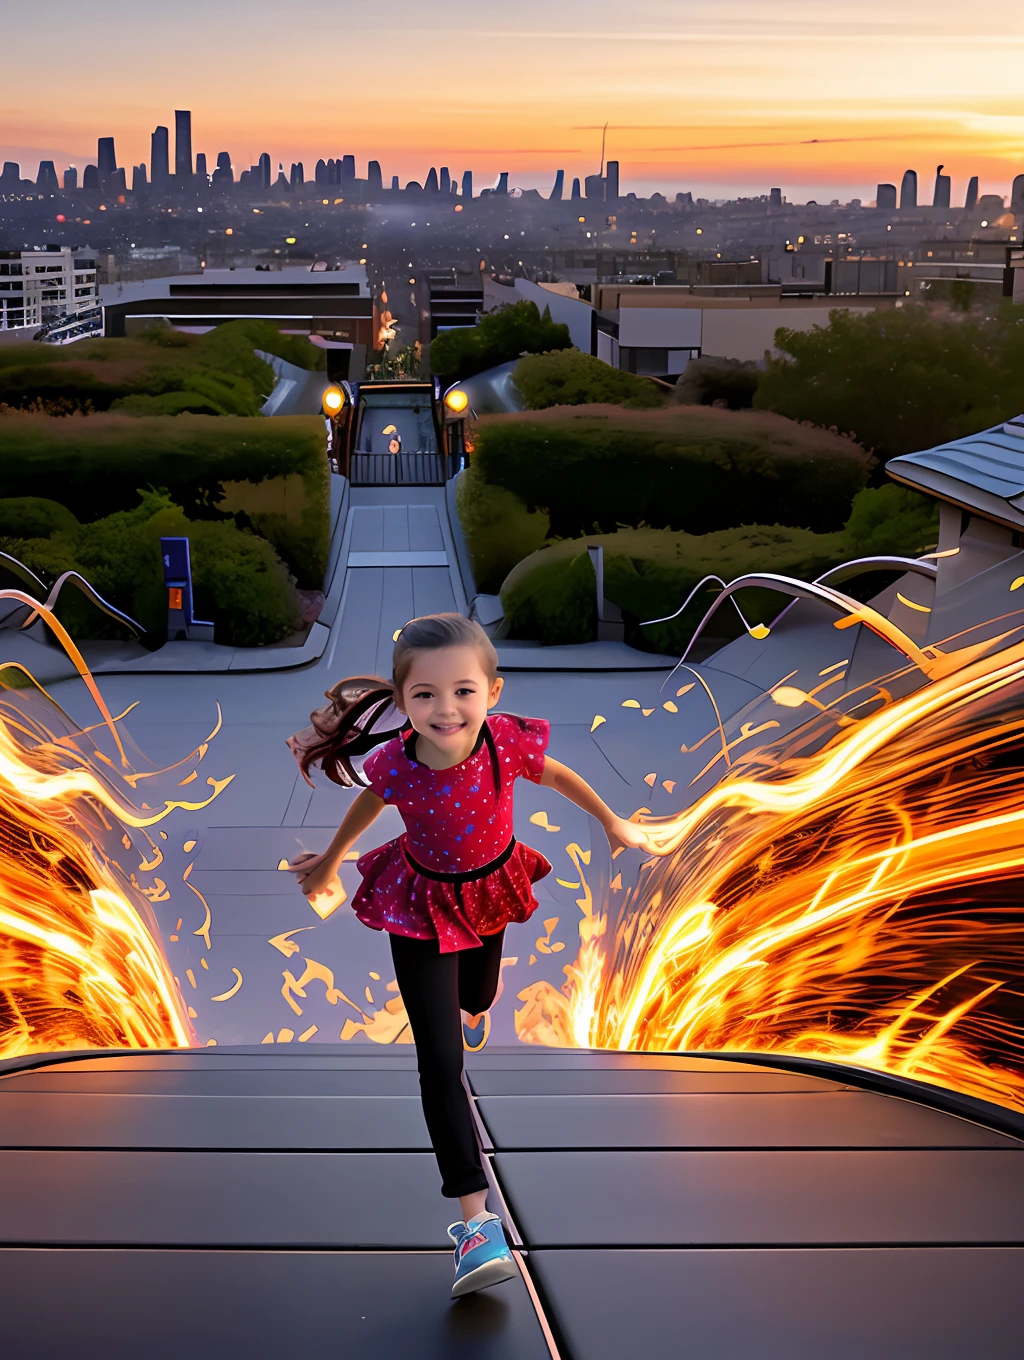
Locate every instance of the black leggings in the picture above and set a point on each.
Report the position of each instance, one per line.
(435, 988)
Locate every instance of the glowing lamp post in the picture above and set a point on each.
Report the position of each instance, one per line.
(333, 403)
(456, 405)
(456, 401)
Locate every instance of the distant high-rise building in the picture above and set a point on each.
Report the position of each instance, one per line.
(223, 173)
(298, 175)
(116, 184)
(685, 200)
(10, 179)
(347, 170)
(431, 185)
(940, 198)
(91, 180)
(611, 182)
(333, 171)
(281, 183)
(320, 173)
(394, 184)
(908, 190)
(106, 160)
(775, 198)
(183, 144)
(501, 188)
(201, 172)
(70, 179)
(575, 188)
(264, 170)
(46, 180)
(1017, 192)
(159, 158)
(374, 180)
(139, 179)
(594, 187)
(555, 196)
(467, 184)
(972, 193)
(885, 197)
(445, 181)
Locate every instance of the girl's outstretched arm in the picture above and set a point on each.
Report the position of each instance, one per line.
(619, 831)
(317, 872)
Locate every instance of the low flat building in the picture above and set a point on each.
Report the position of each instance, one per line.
(41, 287)
(335, 304)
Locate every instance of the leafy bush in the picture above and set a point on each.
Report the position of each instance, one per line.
(33, 517)
(902, 379)
(499, 529)
(648, 573)
(570, 378)
(891, 520)
(278, 466)
(683, 467)
(498, 337)
(239, 581)
(710, 379)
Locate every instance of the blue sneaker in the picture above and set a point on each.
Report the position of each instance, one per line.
(482, 1257)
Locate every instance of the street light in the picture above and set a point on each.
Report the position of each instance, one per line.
(456, 400)
(333, 401)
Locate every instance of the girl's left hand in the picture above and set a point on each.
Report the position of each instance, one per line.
(626, 835)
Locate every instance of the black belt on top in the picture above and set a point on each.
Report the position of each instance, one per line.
(469, 875)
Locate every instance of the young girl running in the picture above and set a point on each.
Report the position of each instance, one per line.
(446, 889)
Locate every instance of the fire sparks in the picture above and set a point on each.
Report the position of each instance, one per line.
(852, 893)
(79, 963)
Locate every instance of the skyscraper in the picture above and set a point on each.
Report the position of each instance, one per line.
(223, 173)
(183, 144)
(467, 184)
(91, 180)
(138, 178)
(374, 180)
(611, 182)
(775, 198)
(70, 179)
(446, 181)
(885, 196)
(320, 173)
(106, 159)
(159, 158)
(940, 199)
(555, 195)
(971, 200)
(576, 187)
(501, 188)
(264, 170)
(431, 185)
(298, 175)
(46, 180)
(908, 190)
(201, 173)
(347, 171)
(1017, 192)
(594, 187)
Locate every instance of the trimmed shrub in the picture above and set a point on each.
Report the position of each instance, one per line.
(239, 581)
(570, 378)
(891, 519)
(709, 379)
(500, 531)
(649, 572)
(99, 461)
(683, 467)
(33, 517)
(498, 337)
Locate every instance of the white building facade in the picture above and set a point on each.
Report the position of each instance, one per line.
(38, 287)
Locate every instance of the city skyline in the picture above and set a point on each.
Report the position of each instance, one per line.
(725, 104)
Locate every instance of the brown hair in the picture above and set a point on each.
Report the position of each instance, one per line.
(343, 728)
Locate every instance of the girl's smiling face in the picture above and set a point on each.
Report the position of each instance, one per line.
(446, 696)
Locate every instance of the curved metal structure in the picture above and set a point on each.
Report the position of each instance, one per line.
(74, 578)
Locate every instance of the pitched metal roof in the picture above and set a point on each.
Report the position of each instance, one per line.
(982, 472)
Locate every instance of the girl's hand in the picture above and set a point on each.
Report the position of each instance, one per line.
(626, 835)
(316, 874)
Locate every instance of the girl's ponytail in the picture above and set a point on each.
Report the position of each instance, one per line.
(343, 728)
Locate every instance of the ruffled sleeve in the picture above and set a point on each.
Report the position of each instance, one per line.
(382, 772)
(528, 737)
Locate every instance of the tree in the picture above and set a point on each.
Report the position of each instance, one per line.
(499, 336)
(569, 377)
(902, 379)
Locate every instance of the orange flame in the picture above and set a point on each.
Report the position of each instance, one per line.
(853, 893)
(79, 963)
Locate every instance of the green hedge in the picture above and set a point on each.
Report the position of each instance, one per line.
(570, 378)
(892, 519)
(34, 517)
(239, 581)
(96, 463)
(683, 467)
(500, 531)
(551, 597)
(162, 371)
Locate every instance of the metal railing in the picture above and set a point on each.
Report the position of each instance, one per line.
(398, 469)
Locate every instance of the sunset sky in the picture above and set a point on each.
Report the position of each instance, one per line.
(719, 97)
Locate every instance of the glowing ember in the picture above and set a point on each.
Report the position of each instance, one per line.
(853, 893)
(79, 963)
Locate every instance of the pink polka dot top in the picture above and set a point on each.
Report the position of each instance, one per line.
(457, 820)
